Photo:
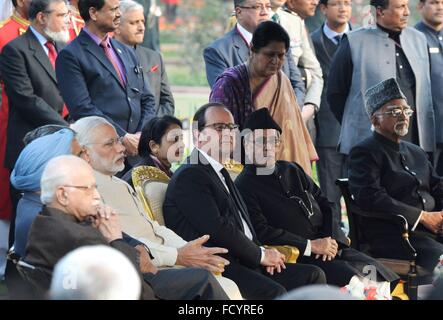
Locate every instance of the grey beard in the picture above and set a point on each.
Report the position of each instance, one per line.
(401, 129)
(61, 36)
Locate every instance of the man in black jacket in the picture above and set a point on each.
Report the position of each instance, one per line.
(387, 174)
(202, 199)
(287, 207)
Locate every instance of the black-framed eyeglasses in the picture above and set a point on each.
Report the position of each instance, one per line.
(258, 8)
(222, 126)
(110, 143)
(88, 188)
(397, 112)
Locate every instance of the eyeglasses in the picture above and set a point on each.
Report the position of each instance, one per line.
(258, 8)
(110, 143)
(398, 112)
(89, 189)
(222, 126)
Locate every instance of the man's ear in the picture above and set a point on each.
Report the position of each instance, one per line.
(374, 121)
(379, 11)
(93, 13)
(195, 135)
(85, 155)
(62, 197)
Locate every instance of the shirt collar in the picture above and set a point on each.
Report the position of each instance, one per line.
(94, 37)
(41, 38)
(217, 166)
(331, 34)
(245, 33)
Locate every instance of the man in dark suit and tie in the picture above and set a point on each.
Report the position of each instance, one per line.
(27, 69)
(202, 199)
(326, 39)
(131, 32)
(233, 48)
(99, 76)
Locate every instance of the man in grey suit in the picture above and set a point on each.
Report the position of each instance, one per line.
(131, 32)
(372, 54)
(233, 48)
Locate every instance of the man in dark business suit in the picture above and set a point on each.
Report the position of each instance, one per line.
(233, 48)
(202, 199)
(29, 75)
(131, 32)
(331, 163)
(99, 76)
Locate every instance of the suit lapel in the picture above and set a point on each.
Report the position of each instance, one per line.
(98, 53)
(240, 46)
(40, 55)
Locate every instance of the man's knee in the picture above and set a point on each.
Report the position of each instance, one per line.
(213, 289)
(318, 276)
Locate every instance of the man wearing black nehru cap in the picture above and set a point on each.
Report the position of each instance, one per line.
(287, 207)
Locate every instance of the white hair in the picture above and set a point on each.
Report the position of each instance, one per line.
(85, 126)
(95, 273)
(58, 172)
(129, 5)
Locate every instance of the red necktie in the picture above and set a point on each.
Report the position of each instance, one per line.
(52, 55)
(107, 49)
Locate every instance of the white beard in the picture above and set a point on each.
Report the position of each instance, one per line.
(401, 129)
(61, 36)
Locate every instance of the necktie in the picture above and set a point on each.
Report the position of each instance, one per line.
(235, 194)
(338, 38)
(107, 49)
(276, 18)
(52, 55)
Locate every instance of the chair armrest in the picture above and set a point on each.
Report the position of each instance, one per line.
(291, 253)
(396, 219)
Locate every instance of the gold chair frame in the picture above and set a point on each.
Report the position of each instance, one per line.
(142, 174)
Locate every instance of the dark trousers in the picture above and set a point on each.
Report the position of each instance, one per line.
(258, 284)
(185, 284)
(348, 263)
(330, 167)
(428, 249)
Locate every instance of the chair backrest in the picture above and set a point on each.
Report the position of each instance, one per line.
(151, 183)
(354, 234)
